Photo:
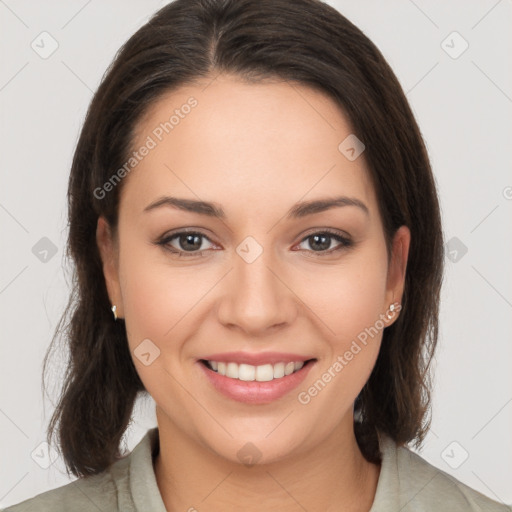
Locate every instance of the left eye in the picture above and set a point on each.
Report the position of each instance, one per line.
(322, 241)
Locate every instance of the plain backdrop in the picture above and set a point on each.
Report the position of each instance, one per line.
(453, 61)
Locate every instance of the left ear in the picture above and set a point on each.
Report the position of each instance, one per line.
(110, 261)
(396, 270)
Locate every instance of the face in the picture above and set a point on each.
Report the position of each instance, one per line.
(256, 283)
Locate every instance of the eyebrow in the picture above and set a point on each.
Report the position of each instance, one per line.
(297, 211)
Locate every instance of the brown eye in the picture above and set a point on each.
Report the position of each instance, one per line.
(320, 242)
(190, 242)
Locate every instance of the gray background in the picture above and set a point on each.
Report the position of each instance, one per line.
(463, 103)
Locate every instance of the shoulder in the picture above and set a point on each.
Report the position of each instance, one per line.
(129, 484)
(421, 486)
(97, 492)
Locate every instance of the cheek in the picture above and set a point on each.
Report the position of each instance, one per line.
(155, 314)
(156, 292)
(349, 297)
(360, 305)
(152, 294)
(150, 300)
(349, 303)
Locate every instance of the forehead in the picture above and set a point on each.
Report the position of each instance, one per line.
(237, 143)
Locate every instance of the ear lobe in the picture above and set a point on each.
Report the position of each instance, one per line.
(109, 257)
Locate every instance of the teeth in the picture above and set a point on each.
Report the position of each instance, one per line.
(248, 372)
(264, 373)
(279, 370)
(289, 368)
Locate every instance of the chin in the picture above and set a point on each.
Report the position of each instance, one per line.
(255, 450)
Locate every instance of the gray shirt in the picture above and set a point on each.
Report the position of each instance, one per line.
(406, 483)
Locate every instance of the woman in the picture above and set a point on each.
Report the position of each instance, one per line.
(258, 247)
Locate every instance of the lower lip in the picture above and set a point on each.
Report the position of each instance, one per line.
(254, 392)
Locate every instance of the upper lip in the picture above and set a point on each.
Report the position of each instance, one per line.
(257, 358)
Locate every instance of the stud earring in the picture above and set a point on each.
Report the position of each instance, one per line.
(391, 309)
(114, 311)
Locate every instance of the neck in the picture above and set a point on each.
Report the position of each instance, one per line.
(333, 476)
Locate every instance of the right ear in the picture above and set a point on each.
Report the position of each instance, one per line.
(109, 254)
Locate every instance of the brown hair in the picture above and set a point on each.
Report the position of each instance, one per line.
(301, 41)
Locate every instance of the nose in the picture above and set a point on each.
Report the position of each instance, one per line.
(256, 299)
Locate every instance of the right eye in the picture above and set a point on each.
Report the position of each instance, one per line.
(189, 243)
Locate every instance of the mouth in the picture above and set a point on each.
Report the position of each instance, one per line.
(255, 384)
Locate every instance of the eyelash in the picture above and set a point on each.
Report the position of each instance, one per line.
(345, 243)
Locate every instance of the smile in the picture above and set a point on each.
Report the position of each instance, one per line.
(254, 384)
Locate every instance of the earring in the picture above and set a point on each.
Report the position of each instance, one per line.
(391, 309)
(114, 311)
